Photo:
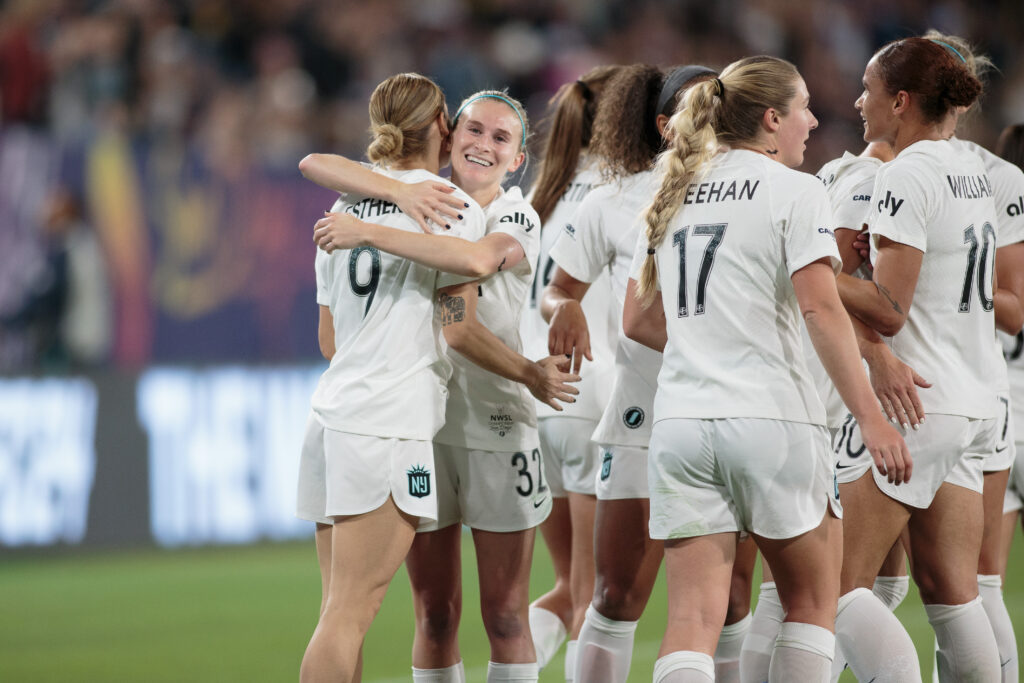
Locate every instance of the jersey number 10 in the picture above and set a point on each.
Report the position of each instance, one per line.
(716, 231)
(988, 236)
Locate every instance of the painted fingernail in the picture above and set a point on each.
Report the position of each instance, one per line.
(568, 355)
(906, 426)
(466, 204)
(917, 427)
(460, 216)
(447, 226)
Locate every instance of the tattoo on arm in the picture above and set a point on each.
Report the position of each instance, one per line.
(502, 264)
(453, 309)
(888, 297)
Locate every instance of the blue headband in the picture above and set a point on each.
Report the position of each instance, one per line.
(950, 48)
(522, 124)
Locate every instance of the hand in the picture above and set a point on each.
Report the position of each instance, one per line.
(430, 202)
(862, 243)
(552, 382)
(338, 231)
(568, 335)
(895, 384)
(887, 449)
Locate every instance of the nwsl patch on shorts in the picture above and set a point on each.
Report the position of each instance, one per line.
(419, 481)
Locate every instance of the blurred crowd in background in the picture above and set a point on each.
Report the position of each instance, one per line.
(150, 206)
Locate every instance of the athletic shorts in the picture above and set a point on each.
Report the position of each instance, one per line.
(348, 474)
(772, 478)
(1015, 488)
(570, 457)
(947, 449)
(490, 490)
(1002, 452)
(623, 473)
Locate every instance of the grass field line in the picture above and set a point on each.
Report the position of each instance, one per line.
(641, 649)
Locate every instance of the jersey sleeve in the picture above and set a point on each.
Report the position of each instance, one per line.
(519, 221)
(1008, 188)
(323, 275)
(472, 227)
(902, 204)
(636, 266)
(807, 229)
(851, 203)
(582, 249)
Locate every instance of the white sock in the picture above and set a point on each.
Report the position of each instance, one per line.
(684, 667)
(891, 590)
(803, 652)
(756, 654)
(604, 649)
(967, 646)
(548, 633)
(727, 654)
(873, 640)
(455, 673)
(990, 588)
(570, 660)
(512, 673)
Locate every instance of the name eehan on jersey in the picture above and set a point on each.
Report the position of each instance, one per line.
(719, 191)
(519, 218)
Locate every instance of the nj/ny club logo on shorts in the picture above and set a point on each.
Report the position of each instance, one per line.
(606, 466)
(633, 417)
(419, 481)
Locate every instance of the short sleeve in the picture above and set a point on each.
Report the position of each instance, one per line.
(901, 205)
(1008, 187)
(807, 231)
(582, 249)
(519, 220)
(323, 275)
(851, 206)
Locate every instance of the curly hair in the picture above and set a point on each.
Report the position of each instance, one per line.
(625, 136)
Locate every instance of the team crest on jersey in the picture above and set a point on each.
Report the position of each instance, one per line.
(633, 417)
(419, 481)
(606, 466)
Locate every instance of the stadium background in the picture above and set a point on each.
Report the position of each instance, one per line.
(157, 317)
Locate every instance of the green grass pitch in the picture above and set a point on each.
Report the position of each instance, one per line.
(246, 613)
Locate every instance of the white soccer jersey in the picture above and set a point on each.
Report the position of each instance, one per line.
(725, 266)
(849, 181)
(596, 381)
(388, 374)
(938, 199)
(601, 241)
(485, 411)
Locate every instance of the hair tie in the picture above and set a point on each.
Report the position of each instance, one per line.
(587, 92)
(522, 124)
(950, 48)
(719, 88)
(650, 251)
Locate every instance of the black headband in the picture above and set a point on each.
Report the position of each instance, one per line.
(676, 80)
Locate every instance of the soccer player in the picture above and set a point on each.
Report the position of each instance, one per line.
(750, 251)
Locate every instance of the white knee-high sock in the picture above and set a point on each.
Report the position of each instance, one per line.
(455, 673)
(803, 652)
(756, 653)
(570, 660)
(512, 673)
(873, 640)
(891, 590)
(684, 667)
(967, 646)
(548, 633)
(604, 649)
(727, 654)
(990, 588)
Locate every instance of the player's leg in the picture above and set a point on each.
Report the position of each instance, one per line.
(756, 655)
(551, 614)
(435, 574)
(990, 568)
(737, 616)
(367, 551)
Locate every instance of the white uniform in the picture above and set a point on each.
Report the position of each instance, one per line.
(938, 199)
(570, 457)
(602, 240)
(848, 181)
(739, 442)
(490, 470)
(381, 400)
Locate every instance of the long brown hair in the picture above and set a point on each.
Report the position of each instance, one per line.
(625, 134)
(570, 124)
(402, 109)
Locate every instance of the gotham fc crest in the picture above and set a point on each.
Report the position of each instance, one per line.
(633, 417)
(606, 466)
(419, 481)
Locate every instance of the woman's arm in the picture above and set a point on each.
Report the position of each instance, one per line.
(560, 306)
(490, 254)
(883, 301)
(325, 333)
(1009, 294)
(832, 335)
(423, 202)
(845, 240)
(464, 333)
(644, 325)
(895, 383)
